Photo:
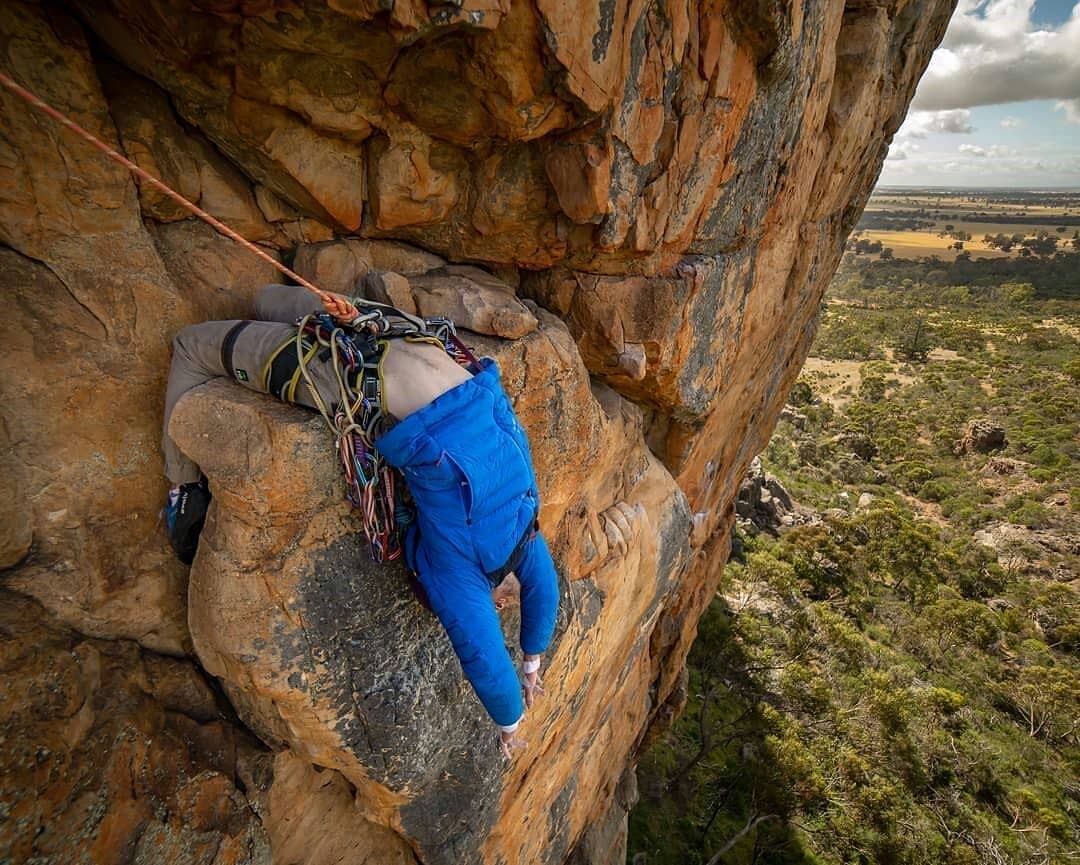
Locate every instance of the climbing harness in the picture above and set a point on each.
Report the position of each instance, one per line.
(356, 350)
(359, 416)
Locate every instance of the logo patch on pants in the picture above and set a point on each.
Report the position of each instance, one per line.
(241, 374)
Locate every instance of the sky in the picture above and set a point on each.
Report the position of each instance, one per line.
(999, 104)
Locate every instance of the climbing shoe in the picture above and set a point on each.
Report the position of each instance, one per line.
(185, 513)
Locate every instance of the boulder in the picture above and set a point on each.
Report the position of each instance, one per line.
(794, 417)
(330, 656)
(390, 288)
(474, 300)
(981, 436)
(340, 265)
(764, 505)
(1004, 466)
(1028, 550)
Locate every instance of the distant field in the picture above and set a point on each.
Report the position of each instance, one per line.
(961, 207)
(1015, 201)
(897, 214)
(919, 244)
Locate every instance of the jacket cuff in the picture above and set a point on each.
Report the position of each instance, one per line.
(510, 728)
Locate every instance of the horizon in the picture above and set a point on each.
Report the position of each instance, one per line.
(952, 187)
(999, 99)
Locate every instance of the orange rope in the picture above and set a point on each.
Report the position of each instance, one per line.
(157, 184)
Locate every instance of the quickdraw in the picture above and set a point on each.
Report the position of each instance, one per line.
(356, 353)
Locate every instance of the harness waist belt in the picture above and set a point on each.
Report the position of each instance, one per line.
(499, 574)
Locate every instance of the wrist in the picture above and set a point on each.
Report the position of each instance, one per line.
(509, 728)
(531, 664)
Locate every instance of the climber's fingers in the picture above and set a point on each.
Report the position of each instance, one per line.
(510, 743)
(533, 688)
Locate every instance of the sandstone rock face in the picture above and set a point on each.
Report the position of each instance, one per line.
(113, 755)
(634, 206)
(325, 653)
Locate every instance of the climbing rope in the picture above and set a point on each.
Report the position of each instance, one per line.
(370, 482)
(64, 120)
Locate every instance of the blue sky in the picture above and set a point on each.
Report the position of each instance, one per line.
(1000, 102)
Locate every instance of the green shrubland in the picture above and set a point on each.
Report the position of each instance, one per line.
(880, 686)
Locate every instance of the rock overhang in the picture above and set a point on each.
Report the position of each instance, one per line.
(730, 146)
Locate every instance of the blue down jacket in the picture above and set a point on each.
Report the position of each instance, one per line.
(467, 462)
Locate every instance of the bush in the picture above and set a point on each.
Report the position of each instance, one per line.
(912, 474)
(936, 490)
(801, 393)
(1030, 514)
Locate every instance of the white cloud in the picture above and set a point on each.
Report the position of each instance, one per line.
(1071, 107)
(997, 166)
(901, 150)
(992, 54)
(919, 124)
(1011, 122)
(995, 151)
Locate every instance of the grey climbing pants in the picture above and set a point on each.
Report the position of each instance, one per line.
(201, 351)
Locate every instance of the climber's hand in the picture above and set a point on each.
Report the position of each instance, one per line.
(534, 687)
(509, 742)
(533, 683)
(340, 308)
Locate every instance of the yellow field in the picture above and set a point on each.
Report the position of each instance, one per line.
(917, 244)
(958, 211)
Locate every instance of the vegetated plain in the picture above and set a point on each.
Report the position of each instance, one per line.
(913, 223)
(895, 678)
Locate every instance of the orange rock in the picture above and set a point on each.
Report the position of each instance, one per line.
(474, 300)
(580, 171)
(408, 188)
(97, 766)
(332, 174)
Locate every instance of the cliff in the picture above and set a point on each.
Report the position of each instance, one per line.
(651, 198)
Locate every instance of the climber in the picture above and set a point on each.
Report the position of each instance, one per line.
(474, 546)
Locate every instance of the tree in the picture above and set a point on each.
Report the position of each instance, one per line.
(1043, 244)
(915, 343)
(1048, 700)
(945, 627)
(1018, 293)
